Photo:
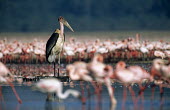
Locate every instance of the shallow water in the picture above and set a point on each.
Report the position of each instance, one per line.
(35, 100)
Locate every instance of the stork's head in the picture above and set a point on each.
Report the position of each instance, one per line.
(62, 20)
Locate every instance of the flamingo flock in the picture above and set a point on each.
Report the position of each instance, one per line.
(96, 71)
(130, 48)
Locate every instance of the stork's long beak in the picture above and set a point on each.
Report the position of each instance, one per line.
(66, 24)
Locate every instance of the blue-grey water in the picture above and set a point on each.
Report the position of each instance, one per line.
(35, 100)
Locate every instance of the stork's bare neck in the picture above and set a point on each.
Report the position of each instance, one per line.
(61, 28)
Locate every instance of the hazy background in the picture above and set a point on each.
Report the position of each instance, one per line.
(84, 15)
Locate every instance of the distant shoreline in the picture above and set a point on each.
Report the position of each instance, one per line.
(82, 36)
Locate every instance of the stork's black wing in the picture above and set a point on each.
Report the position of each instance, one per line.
(51, 43)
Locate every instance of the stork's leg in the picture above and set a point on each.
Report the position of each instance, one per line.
(58, 64)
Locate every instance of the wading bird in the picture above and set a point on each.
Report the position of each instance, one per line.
(55, 86)
(102, 73)
(160, 71)
(78, 71)
(7, 77)
(128, 76)
(55, 43)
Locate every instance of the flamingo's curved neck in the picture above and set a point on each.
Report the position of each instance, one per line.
(61, 28)
(66, 94)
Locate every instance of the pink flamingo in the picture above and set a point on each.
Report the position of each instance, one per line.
(78, 71)
(98, 69)
(159, 54)
(7, 77)
(165, 71)
(55, 86)
(160, 72)
(101, 74)
(141, 76)
(128, 76)
(156, 68)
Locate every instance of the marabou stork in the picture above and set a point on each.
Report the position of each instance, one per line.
(55, 43)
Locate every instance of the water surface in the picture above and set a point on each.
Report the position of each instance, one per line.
(35, 100)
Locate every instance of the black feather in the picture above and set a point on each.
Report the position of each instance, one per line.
(51, 43)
